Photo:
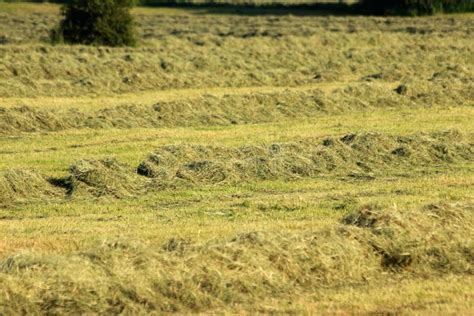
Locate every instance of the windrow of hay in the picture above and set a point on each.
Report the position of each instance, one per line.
(360, 156)
(18, 185)
(372, 245)
(237, 108)
(364, 154)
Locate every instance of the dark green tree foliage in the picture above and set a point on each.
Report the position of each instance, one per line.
(415, 7)
(96, 22)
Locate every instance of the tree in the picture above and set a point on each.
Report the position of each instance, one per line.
(96, 22)
(415, 7)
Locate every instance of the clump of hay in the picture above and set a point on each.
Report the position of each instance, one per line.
(105, 177)
(29, 119)
(432, 238)
(211, 164)
(18, 185)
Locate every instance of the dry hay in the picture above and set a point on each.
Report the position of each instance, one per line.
(202, 30)
(205, 110)
(18, 185)
(242, 108)
(371, 245)
(187, 51)
(29, 119)
(365, 153)
(432, 238)
(363, 156)
(104, 177)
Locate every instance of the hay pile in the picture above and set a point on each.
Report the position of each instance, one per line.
(365, 153)
(17, 185)
(30, 119)
(423, 240)
(370, 246)
(106, 177)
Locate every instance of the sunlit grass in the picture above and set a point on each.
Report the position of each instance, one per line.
(81, 253)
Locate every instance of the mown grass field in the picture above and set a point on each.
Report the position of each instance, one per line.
(238, 162)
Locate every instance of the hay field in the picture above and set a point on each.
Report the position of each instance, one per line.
(239, 162)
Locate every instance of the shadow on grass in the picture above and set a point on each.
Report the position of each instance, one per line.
(316, 9)
(342, 8)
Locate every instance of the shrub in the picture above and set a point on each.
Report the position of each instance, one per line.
(415, 7)
(458, 5)
(96, 22)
